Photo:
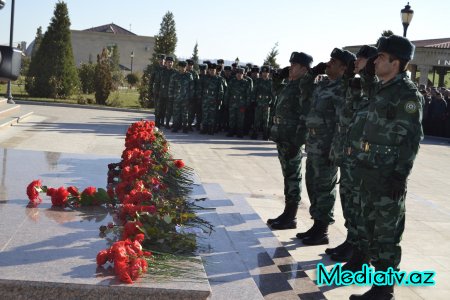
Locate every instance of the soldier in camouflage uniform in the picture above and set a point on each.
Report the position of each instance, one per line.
(389, 145)
(224, 116)
(163, 91)
(220, 117)
(289, 132)
(263, 96)
(155, 86)
(321, 172)
(193, 101)
(212, 99)
(357, 94)
(167, 77)
(181, 89)
(199, 87)
(237, 99)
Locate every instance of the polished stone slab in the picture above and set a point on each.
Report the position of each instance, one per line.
(51, 253)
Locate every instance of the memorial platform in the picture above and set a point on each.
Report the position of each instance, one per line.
(241, 179)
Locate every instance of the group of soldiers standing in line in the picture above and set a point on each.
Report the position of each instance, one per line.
(363, 117)
(217, 98)
(358, 113)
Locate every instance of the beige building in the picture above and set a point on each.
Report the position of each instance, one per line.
(431, 56)
(135, 50)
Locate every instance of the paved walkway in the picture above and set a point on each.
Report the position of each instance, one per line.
(251, 169)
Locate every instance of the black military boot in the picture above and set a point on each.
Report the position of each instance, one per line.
(204, 129)
(287, 219)
(356, 261)
(254, 136)
(377, 292)
(330, 251)
(211, 130)
(239, 134)
(342, 253)
(175, 128)
(319, 236)
(231, 133)
(309, 232)
(185, 129)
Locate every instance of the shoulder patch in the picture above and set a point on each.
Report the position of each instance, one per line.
(411, 107)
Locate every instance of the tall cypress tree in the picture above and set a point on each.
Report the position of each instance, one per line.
(56, 74)
(195, 56)
(166, 40)
(271, 59)
(102, 78)
(33, 66)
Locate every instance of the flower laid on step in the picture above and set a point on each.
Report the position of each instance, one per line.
(70, 197)
(130, 261)
(150, 191)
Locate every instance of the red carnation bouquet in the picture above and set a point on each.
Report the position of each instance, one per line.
(149, 190)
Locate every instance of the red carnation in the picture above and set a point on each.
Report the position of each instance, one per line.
(179, 163)
(90, 190)
(59, 197)
(33, 193)
(73, 191)
(103, 257)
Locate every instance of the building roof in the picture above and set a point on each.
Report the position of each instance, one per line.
(434, 43)
(443, 43)
(110, 28)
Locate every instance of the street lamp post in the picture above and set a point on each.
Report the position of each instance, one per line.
(11, 31)
(132, 56)
(407, 15)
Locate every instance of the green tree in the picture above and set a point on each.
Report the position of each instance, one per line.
(166, 40)
(114, 60)
(37, 41)
(102, 78)
(86, 73)
(195, 56)
(53, 67)
(132, 79)
(385, 33)
(32, 67)
(271, 59)
(144, 87)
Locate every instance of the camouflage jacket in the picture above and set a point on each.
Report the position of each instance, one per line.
(357, 95)
(393, 129)
(181, 87)
(199, 87)
(196, 78)
(155, 78)
(263, 93)
(327, 101)
(238, 93)
(164, 82)
(290, 110)
(213, 89)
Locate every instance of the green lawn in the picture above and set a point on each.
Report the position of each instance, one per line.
(124, 98)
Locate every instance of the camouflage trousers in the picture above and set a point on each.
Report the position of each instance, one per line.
(381, 221)
(169, 110)
(180, 112)
(209, 112)
(290, 157)
(349, 186)
(236, 118)
(261, 118)
(160, 110)
(321, 178)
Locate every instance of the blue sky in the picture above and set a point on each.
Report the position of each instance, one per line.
(247, 29)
